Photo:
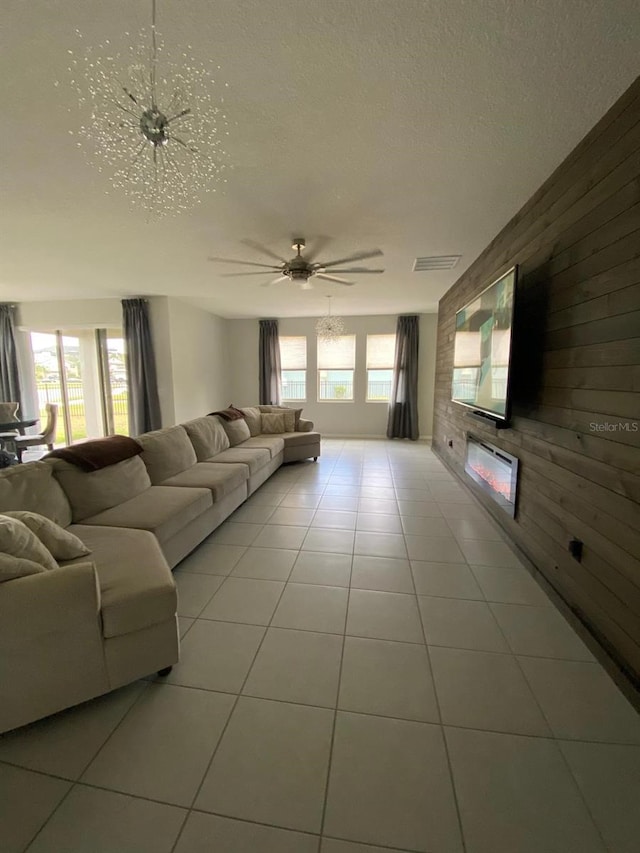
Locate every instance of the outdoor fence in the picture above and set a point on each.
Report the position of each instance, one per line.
(336, 389)
(51, 392)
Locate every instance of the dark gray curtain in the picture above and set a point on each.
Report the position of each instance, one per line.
(9, 375)
(269, 356)
(403, 406)
(144, 405)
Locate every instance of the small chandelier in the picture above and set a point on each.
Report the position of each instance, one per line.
(329, 328)
(160, 134)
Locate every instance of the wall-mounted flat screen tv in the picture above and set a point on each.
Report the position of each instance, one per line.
(482, 349)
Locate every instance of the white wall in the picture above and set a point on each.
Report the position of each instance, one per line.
(198, 352)
(75, 314)
(333, 418)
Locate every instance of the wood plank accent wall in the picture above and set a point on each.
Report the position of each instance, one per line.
(576, 364)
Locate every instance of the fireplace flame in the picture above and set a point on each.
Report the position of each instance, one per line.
(497, 484)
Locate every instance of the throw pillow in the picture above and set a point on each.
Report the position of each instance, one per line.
(287, 411)
(297, 413)
(16, 567)
(18, 541)
(289, 420)
(59, 542)
(252, 417)
(272, 423)
(237, 431)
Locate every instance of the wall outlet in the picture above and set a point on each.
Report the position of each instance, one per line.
(575, 549)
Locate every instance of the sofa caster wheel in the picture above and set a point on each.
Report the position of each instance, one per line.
(165, 671)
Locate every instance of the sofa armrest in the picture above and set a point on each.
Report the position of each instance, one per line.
(48, 602)
(51, 646)
(305, 425)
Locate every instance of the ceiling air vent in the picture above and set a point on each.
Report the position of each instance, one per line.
(436, 262)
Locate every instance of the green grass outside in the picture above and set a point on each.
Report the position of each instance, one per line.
(79, 427)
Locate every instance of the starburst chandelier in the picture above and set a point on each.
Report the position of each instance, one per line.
(156, 127)
(328, 328)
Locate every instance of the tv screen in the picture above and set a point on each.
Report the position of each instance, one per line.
(482, 349)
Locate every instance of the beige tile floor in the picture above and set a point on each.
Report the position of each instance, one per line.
(366, 668)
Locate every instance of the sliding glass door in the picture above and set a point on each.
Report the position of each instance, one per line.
(113, 374)
(83, 373)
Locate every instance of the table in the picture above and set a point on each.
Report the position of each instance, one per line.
(19, 425)
(10, 426)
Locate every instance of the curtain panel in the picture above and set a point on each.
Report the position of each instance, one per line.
(403, 405)
(144, 404)
(9, 372)
(269, 364)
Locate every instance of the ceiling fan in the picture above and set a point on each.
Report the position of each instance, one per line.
(299, 269)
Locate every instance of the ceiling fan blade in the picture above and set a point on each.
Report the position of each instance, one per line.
(334, 278)
(356, 270)
(274, 281)
(248, 263)
(318, 245)
(234, 274)
(359, 257)
(265, 251)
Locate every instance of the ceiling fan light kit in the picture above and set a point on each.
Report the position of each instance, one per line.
(158, 131)
(300, 269)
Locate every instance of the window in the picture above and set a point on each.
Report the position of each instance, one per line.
(83, 373)
(293, 363)
(336, 363)
(380, 360)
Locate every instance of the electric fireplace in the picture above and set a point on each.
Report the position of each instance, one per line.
(495, 471)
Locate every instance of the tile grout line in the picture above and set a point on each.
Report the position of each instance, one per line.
(228, 720)
(76, 782)
(335, 712)
(550, 738)
(441, 724)
(555, 740)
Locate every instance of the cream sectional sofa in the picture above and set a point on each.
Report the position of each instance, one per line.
(102, 621)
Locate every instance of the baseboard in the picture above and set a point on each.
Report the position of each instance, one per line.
(351, 435)
(369, 436)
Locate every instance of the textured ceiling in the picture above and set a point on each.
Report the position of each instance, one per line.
(416, 126)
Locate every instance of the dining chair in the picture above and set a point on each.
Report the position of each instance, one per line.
(47, 436)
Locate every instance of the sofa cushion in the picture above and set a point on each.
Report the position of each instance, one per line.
(91, 492)
(254, 457)
(291, 422)
(164, 510)
(300, 438)
(236, 431)
(207, 436)
(220, 479)
(272, 423)
(136, 586)
(166, 452)
(17, 540)
(273, 443)
(61, 544)
(252, 417)
(32, 486)
(17, 567)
